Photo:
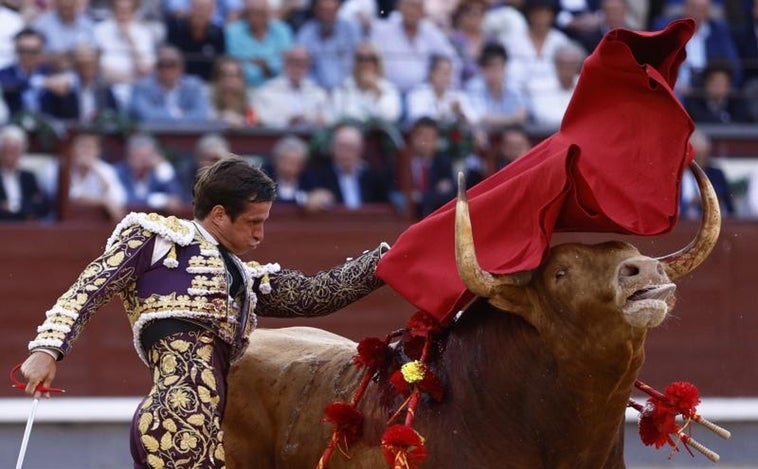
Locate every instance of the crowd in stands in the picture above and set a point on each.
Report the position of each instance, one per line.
(482, 68)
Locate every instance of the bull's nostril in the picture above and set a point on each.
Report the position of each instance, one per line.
(629, 270)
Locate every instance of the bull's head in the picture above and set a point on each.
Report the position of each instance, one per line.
(605, 282)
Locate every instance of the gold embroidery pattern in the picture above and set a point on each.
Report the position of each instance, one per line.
(294, 294)
(178, 423)
(105, 276)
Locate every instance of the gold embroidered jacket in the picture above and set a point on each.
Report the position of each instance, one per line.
(191, 283)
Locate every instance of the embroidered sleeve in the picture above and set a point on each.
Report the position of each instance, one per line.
(117, 267)
(295, 294)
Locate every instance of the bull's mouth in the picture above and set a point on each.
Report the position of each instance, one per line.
(647, 307)
(656, 292)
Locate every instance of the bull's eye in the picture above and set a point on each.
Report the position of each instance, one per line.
(560, 273)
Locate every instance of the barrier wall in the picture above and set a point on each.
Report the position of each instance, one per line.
(709, 339)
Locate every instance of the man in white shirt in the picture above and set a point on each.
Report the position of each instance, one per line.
(407, 41)
(11, 23)
(92, 181)
(548, 98)
(293, 99)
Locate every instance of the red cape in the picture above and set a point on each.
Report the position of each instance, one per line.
(615, 165)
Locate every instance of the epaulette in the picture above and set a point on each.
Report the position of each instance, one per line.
(173, 229)
(258, 271)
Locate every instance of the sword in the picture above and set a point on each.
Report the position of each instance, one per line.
(30, 420)
(27, 433)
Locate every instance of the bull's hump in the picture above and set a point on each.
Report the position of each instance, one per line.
(306, 336)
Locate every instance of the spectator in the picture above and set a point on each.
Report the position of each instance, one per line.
(12, 23)
(746, 40)
(92, 181)
(292, 99)
(294, 12)
(407, 41)
(4, 114)
(613, 14)
(547, 99)
(169, 95)
(504, 18)
(468, 36)
(431, 171)
(577, 18)
(64, 26)
(197, 37)
(531, 53)
(23, 80)
(440, 12)
(258, 41)
(690, 196)
(27, 9)
(752, 195)
(513, 143)
(492, 96)
(127, 48)
(678, 8)
(21, 197)
(209, 149)
(86, 95)
(366, 95)
(148, 178)
(349, 179)
(331, 43)
(224, 11)
(362, 13)
(711, 42)
(287, 167)
(437, 98)
(230, 100)
(716, 102)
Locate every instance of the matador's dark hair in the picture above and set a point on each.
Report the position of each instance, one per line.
(232, 183)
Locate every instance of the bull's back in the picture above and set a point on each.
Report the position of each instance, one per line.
(277, 393)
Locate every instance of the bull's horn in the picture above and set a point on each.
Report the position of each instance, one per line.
(687, 259)
(478, 281)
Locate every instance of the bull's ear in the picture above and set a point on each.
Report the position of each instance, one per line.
(517, 300)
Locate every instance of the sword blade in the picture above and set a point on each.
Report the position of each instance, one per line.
(27, 433)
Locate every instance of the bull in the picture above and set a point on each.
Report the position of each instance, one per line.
(538, 370)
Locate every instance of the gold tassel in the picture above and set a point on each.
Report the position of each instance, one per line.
(170, 260)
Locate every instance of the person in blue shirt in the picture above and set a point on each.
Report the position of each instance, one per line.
(331, 43)
(258, 41)
(169, 94)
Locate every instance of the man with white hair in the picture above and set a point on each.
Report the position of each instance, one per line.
(21, 197)
(293, 99)
(349, 178)
(210, 148)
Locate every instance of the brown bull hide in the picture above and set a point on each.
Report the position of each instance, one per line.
(515, 396)
(537, 372)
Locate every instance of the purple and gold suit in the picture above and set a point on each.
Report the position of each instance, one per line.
(170, 271)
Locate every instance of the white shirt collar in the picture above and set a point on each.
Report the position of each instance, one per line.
(206, 234)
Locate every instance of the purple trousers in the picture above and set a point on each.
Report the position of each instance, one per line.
(178, 424)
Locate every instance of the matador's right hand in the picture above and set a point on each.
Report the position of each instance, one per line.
(38, 369)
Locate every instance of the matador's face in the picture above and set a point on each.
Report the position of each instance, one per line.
(246, 231)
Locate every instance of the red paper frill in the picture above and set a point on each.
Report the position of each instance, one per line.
(658, 418)
(657, 424)
(347, 421)
(373, 354)
(683, 397)
(424, 325)
(403, 447)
